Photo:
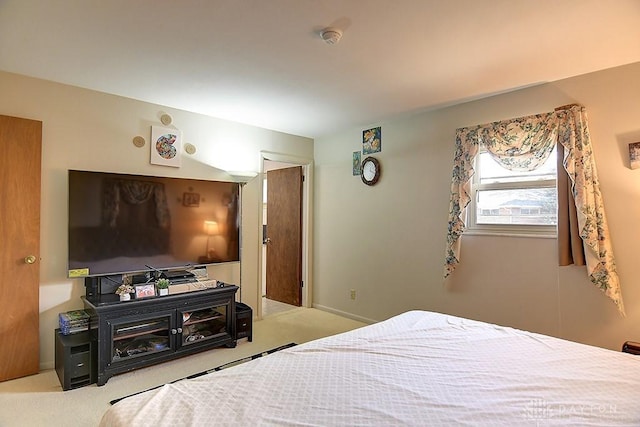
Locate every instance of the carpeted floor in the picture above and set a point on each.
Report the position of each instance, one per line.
(38, 400)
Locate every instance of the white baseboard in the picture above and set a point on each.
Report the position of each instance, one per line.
(345, 314)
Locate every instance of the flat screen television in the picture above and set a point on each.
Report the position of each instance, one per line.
(120, 223)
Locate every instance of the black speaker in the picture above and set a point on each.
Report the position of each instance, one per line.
(76, 357)
(244, 321)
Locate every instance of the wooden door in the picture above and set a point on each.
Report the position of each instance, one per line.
(284, 235)
(20, 140)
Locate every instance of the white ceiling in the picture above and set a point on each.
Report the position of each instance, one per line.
(262, 62)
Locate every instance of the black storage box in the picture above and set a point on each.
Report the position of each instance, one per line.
(244, 321)
(75, 359)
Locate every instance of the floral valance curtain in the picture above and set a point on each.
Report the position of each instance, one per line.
(524, 144)
(134, 192)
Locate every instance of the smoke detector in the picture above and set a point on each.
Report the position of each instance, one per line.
(331, 35)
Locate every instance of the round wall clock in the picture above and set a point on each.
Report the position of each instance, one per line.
(370, 172)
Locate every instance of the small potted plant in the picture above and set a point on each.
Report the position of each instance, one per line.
(163, 286)
(125, 291)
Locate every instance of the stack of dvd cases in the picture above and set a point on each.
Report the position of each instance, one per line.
(73, 321)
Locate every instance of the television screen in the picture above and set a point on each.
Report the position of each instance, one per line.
(122, 223)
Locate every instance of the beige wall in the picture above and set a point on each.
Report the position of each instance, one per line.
(88, 130)
(387, 241)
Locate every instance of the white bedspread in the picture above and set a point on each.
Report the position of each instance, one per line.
(418, 368)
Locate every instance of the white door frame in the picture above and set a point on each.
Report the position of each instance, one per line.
(307, 223)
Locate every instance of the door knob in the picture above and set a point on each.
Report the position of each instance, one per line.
(268, 240)
(31, 259)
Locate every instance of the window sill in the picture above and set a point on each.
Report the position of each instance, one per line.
(510, 233)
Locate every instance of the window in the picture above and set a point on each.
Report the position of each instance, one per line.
(513, 202)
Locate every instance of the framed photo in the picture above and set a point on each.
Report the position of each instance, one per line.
(372, 140)
(166, 146)
(634, 155)
(191, 200)
(146, 290)
(356, 163)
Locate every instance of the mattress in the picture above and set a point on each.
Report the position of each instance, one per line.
(418, 368)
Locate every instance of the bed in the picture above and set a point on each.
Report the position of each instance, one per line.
(418, 368)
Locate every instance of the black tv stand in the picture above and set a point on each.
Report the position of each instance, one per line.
(133, 334)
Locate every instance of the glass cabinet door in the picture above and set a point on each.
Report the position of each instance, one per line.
(203, 324)
(131, 339)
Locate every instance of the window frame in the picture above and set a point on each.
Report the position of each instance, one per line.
(515, 230)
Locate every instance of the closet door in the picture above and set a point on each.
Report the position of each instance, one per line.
(21, 142)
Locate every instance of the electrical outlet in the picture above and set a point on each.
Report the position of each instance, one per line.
(353, 294)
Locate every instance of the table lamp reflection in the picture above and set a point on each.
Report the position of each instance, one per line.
(211, 229)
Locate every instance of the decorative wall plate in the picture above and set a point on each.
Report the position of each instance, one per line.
(139, 141)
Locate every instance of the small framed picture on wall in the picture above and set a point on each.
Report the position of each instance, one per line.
(372, 140)
(356, 163)
(166, 144)
(634, 155)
